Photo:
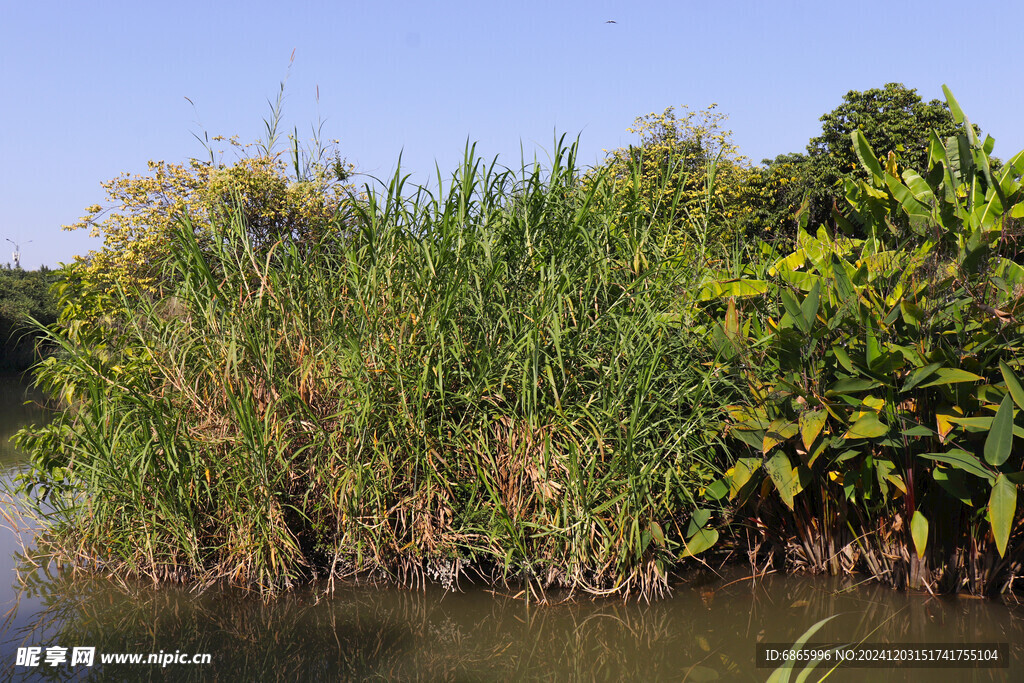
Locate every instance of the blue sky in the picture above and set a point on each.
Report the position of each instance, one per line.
(96, 89)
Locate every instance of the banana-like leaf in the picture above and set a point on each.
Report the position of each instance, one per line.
(778, 431)
(699, 542)
(740, 288)
(989, 145)
(962, 460)
(1012, 170)
(961, 162)
(954, 106)
(909, 203)
(1011, 272)
(883, 261)
(843, 285)
(1013, 384)
(986, 214)
(809, 307)
(845, 226)
(952, 376)
(912, 313)
(743, 470)
(803, 281)
(790, 263)
(1000, 437)
(851, 385)
(936, 153)
(811, 424)
(921, 190)
(867, 156)
(784, 477)
(1002, 506)
(867, 427)
(919, 532)
(873, 350)
(793, 308)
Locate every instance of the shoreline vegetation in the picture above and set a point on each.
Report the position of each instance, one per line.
(583, 379)
(24, 297)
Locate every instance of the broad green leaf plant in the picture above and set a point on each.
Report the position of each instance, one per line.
(885, 397)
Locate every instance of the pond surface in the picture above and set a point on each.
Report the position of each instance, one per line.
(707, 630)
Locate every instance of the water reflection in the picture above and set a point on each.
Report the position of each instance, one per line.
(19, 405)
(363, 632)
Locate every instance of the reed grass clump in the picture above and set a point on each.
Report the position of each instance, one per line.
(476, 380)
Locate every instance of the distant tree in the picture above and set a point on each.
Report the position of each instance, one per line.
(24, 294)
(771, 196)
(893, 118)
(662, 180)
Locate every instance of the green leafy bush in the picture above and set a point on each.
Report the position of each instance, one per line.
(24, 296)
(885, 399)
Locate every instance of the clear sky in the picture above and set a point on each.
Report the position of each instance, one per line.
(92, 90)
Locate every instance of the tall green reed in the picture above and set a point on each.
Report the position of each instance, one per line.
(477, 378)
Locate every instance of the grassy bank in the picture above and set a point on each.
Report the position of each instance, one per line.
(481, 380)
(550, 375)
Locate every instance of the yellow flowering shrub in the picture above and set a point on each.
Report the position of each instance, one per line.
(665, 177)
(772, 196)
(142, 208)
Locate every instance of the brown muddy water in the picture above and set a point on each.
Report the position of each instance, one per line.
(708, 630)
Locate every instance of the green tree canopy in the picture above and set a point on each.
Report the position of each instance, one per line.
(772, 195)
(24, 295)
(893, 118)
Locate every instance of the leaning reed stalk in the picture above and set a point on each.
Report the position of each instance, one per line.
(478, 378)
